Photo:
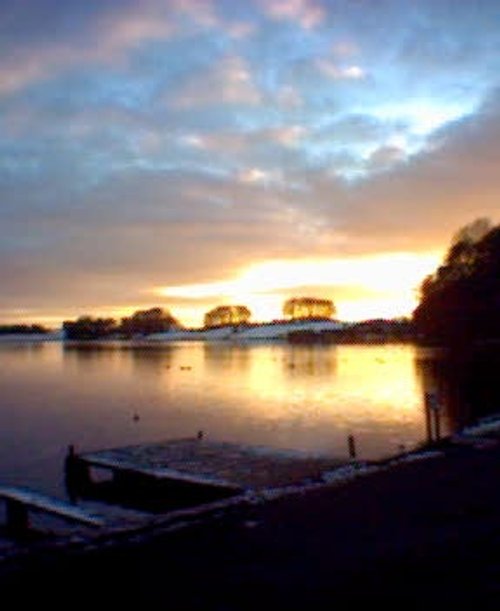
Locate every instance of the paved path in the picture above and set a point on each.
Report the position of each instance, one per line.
(422, 535)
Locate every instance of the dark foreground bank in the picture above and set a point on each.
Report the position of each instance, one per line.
(421, 535)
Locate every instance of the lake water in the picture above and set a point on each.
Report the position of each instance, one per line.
(300, 397)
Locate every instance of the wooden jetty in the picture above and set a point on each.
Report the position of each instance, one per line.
(227, 467)
(20, 501)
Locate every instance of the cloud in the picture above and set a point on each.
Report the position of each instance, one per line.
(60, 37)
(306, 13)
(167, 228)
(336, 72)
(421, 202)
(248, 145)
(385, 156)
(228, 82)
(289, 97)
(143, 144)
(143, 229)
(102, 37)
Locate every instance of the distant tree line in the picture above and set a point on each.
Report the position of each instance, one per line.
(142, 322)
(158, 320)
(296, 308)
(460, 302)
(23, 329)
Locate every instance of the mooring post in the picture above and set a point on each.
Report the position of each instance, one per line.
(433, 416)
(77, 471)
(437, 422)
(351, 444)
(428, 420)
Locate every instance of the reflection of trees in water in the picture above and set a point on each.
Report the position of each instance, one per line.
(23, 348)
(310, 360)
(226, 357)
(146, 357)
(467, 383)
(89, 352)
(152, 357)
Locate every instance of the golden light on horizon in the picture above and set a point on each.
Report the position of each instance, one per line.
(373, 286)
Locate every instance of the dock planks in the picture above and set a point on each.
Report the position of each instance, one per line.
(20, 500)
(213, 463)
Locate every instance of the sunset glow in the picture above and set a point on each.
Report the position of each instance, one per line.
(185, 154)
(390, 281)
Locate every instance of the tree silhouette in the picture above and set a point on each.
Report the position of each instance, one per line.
(87, 327)
(460, 302)
(146, 322)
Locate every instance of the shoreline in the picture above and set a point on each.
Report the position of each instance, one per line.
(483, 438)
(310, 548)
(294, 331)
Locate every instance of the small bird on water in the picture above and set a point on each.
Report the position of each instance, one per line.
(200, 435)
(136, 417)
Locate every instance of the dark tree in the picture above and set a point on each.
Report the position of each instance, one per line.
(146, 322)
(87, 328)
(23, 329)
(460, 302)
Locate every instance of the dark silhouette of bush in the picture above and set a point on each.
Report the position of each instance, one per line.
(146, 322)
(23, 329)
(87, 328)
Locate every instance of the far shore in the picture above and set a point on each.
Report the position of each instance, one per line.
(299, 331)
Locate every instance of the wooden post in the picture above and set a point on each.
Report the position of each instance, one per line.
(77, 473)
(433, 415)
(428, 421)
(437, 423)
(351, 444)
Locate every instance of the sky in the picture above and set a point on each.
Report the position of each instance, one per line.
(193, 153)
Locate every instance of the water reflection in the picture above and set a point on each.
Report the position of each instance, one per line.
(147, 357)
(304, 397)
(222, 357)
(152, 359)
(90, 354)
(310, 361)
(309, 397)
(465, 383)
